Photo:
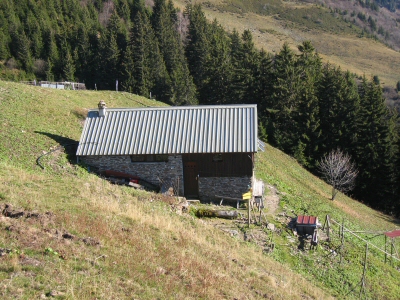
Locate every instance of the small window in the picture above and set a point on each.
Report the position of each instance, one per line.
(149, 158)
(161, 158)
(217, 158)
(138, 158)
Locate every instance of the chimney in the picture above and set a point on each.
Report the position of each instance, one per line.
(102, 108)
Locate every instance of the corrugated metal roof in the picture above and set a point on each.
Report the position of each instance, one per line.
(306, 220)
(170, 130)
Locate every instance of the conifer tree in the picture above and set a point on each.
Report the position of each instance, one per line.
(338, 111)
(128, 70)
(218, 69)
(110, 54)
(262, 90)
(149, 68)
(49, 72)
(68, 66)
(109, 62)
(197, 49)
(287, 82)
(84, 55)
(124, 10)
(4, 50)
(244, 62)
(307, 117)
(172, 51)
(376, 148)
(139, 56)
(22, 50)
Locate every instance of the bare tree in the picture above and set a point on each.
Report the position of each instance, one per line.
(338, 171)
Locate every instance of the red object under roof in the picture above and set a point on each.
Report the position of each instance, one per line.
(306, 220)
(393, 234)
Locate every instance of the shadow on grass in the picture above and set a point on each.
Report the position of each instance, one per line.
(68, 145)
(391, 219)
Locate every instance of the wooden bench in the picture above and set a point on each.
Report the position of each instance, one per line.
(229, 199)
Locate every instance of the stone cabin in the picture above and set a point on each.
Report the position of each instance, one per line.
(201, 151)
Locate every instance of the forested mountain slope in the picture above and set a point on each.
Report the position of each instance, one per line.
(307, 107)
(339, 36)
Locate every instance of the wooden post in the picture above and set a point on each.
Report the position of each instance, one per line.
(328, 226)
(391, 251)
(364, 271)
(385, 248)
(252, 186)
(248, 212)
(326, 219)
(342, 246)
(177, 192)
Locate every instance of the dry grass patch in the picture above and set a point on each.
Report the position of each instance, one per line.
(112, 241)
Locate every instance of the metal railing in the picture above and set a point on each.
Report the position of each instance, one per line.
(62, 85)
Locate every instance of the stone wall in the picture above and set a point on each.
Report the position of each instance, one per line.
(232, 187)
(163, 174)
(166, 174)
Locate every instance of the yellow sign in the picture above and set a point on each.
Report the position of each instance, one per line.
(247, 196)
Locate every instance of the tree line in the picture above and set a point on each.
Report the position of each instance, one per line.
(306, 108)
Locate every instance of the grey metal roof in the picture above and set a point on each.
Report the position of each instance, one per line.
(170, 130)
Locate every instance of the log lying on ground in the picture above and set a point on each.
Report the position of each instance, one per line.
(210, 213)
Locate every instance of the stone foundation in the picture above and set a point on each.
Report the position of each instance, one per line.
(232, 187)
(162, 174)
(170, 174)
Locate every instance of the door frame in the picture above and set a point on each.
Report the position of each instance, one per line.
(193, 181)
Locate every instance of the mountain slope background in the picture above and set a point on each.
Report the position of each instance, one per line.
(66, 233)
(336, 36)
(307, 106)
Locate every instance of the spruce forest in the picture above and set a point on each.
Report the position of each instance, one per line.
(306, 108)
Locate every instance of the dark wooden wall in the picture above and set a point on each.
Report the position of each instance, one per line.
(222, 164)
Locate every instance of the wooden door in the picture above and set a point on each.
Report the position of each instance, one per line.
(190, 172)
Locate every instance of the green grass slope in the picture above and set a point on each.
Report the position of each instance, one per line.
(303, 193)
(274, 22)
(68, 234)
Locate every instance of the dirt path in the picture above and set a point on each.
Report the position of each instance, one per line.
(271, 199)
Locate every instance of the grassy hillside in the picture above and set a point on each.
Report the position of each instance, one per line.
(68, 234)
(82, 238)
(274, 22)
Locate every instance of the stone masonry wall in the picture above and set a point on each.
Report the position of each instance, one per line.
(163, 174)
(232, 187)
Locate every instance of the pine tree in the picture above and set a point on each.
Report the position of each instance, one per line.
(109, 55)
(307, 117)
(338, 111)
(128, 68)
(49, 73)
(197, 49)
(149, 68)
(217, 69)
(68, 66)
(139, 56)
(376, 148)
(262, 90)
(4, 50)
(244, 62)
(283, 128)
(124, 10)
(172, 51)
(84, 54)
(22, 50)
